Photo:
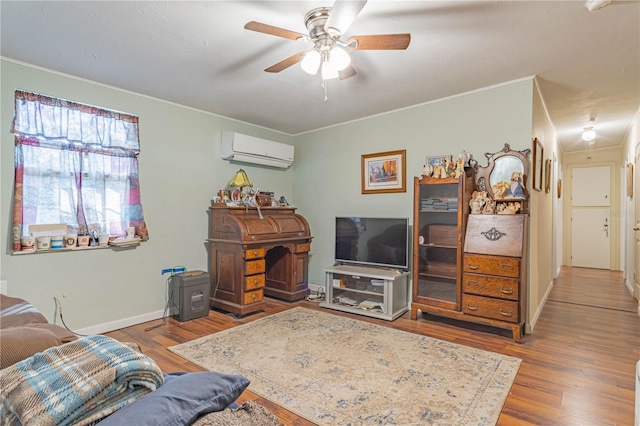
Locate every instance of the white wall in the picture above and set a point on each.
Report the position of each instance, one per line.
(541, 235)
(180, 171)
(629, 207)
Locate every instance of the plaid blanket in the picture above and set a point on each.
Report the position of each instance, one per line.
(76, 383)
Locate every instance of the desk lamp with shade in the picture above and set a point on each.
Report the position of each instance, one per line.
(240, 180)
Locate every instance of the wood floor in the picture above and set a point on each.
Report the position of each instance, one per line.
(578, 365)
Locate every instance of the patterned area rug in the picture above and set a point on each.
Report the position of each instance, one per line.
(342, 371)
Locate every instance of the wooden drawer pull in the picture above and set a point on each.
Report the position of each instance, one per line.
(474, 267)
(507, 291)
(505, 314)
(507, 266)
(472, 308)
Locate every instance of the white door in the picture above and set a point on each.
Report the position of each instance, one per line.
(590, 217)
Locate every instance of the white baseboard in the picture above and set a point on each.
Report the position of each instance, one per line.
(122, 323)
(629, 286)
(530, 325)
(139, 319)
(314, 287)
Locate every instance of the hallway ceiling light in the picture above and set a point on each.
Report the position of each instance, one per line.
(589, 134)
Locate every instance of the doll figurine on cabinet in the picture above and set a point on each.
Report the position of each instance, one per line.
(515, 187)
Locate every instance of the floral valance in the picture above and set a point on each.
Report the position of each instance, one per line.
(60, 121)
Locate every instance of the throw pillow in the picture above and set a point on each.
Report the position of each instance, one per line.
(181, 399)
(20, 343)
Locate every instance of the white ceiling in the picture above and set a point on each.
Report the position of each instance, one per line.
(198, 54)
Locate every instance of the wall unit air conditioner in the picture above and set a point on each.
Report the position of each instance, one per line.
(249, 149)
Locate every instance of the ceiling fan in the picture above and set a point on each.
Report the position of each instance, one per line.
(326, 26)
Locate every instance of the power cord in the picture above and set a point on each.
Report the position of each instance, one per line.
(318, 297)
(59, 309)
(166, 307)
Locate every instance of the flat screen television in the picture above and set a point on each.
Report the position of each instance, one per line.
(373, 241)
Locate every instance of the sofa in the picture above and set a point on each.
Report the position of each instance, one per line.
(24, 331)
(86, 380)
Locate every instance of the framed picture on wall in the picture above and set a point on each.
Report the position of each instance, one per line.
(538, 157)
(384, 172)
(436, 160)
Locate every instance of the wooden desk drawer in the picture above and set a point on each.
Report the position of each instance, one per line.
(492, 265)
(252, 297)
(488, 307)
(483, 285)
(254, 281)
(496, 234)
(301, 248)
(254, 267)
(254, 253)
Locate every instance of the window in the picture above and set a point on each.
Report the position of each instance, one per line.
(76, 165)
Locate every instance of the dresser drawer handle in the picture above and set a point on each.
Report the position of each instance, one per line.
(507, 266)
(255, 252)
(474, 267)
(472, 308)
(507, 291)
(256, 281)
(253, 297)
(472, 282)
(506, 314)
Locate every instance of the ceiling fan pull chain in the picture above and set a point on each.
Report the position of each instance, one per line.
(325, 86)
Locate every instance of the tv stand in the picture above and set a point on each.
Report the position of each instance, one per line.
(364, 290)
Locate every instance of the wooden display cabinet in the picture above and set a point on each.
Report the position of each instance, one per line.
(440, 214)
(481, 277)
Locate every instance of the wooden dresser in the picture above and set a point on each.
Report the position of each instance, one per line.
(252, 257)
(495, 271)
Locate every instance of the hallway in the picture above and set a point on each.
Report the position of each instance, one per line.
(593, 287)
(589, 333)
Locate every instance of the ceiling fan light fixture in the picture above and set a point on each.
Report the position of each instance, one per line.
(588, 134)
(340, 58)
(595, 5)
(311, 62)
(329, 70)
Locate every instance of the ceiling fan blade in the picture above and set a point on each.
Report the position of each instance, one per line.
(346, 73)
(381, 42)
(291, 60)
(342, 15)
(276, 31)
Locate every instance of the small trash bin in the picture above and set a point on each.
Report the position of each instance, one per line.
(190, 295)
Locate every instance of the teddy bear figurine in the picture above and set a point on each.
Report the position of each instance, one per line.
(426, 171)
(459, 170)
(489, 205)
(477, 201)
(509, 208)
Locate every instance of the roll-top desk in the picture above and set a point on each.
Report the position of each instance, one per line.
(252, 257)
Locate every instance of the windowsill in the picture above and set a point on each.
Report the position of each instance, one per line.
(66, 249)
